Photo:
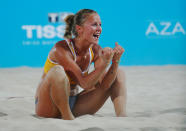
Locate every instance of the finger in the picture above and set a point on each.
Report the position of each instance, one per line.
(117, 49)
(122, 49)
(114, 50)
(116, 44)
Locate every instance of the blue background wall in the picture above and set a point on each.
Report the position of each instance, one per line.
(153, 32)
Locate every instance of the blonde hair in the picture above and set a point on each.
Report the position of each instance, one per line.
(76, 19)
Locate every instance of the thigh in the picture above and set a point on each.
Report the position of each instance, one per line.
(45, 106)
(89, 102)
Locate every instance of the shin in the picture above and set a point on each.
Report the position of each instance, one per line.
(119, 94)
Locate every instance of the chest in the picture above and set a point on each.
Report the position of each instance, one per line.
(84, 61)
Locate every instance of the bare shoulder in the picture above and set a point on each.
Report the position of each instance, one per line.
(60, 48)
(60, 52)
(61, 45)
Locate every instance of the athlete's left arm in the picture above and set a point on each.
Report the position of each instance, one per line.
(111, 74)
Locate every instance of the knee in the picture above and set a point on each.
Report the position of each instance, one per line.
(121, 77)
(58, 74)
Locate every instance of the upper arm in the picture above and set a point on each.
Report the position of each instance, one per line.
(65, 59)
(97, 53)
(98, 61)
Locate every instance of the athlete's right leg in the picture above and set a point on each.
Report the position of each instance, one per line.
(53, 95)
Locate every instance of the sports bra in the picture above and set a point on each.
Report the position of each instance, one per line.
(49, 63)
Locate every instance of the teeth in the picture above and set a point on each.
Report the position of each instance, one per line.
(96, 35)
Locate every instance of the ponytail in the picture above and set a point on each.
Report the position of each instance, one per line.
(69, 20)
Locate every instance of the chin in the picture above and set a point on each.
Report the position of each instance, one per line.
(95, 42)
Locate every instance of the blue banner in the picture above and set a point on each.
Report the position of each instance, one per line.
(152, 32)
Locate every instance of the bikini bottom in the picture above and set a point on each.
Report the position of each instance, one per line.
(72, 101)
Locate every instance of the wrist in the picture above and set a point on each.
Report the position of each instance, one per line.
(104, 65)
(115, 61)
(106, 62)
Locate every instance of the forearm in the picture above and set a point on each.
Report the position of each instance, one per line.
(110, 76)
(100, 63)
(93, 78)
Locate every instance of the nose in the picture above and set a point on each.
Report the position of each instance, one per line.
(99, 28)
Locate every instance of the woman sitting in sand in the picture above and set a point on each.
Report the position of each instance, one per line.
(67, 67)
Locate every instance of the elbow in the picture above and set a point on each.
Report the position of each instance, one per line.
(85, 85)
(105, 86)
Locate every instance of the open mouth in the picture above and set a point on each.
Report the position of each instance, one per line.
(96, 36)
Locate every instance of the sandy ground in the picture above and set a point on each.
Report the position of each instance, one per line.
(156, 102)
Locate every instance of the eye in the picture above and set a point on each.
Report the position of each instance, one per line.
(96, 24)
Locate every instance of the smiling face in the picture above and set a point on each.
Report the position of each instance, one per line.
(90, 30)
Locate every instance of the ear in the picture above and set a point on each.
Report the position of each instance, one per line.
(78, 29)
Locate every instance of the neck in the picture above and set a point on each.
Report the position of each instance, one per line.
(81, 46)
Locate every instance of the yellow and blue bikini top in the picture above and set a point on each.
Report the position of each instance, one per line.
(49, 63)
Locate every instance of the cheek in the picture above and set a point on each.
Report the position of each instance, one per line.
(89, 31)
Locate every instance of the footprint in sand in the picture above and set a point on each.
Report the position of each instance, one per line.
(152, 129)
(175, 110)
(143, 114)
(161, 129)
(93, 129)
(181, 111)
(34, 115)
(3, 114)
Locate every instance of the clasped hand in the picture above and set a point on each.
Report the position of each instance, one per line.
(109, 54)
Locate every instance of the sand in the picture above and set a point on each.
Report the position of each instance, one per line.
(156, 102)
